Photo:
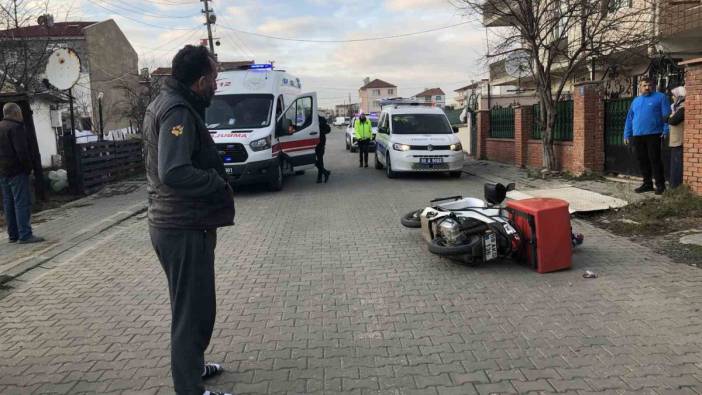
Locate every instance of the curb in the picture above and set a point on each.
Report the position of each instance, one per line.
(50, 253)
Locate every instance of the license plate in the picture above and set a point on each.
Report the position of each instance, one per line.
(229, 170)
(431, 161)
(489, 246)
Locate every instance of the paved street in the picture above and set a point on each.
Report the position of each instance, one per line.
(320, 289)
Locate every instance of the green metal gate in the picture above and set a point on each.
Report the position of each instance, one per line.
(619, 158)
(473, 133)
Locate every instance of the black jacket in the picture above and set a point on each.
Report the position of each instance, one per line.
(15, 156)
(186, 176)
(324, 130)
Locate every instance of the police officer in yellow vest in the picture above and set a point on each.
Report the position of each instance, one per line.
(364, 134)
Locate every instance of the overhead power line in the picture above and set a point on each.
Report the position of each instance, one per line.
(388, 37)
(141, 11)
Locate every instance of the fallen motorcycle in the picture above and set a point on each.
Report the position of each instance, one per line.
(472, 230)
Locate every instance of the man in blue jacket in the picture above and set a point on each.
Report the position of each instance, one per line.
(645, 127)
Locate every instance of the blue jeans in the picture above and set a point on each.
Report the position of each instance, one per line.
(17, 200)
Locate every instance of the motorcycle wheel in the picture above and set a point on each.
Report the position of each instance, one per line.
(437, 247)
(411, 219)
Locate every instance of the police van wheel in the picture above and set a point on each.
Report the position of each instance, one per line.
(388, 167)
(348, 146)
(276, 181)
(378, 165)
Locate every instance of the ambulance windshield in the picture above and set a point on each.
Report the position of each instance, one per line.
(239, 111)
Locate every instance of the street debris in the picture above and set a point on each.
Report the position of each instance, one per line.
(589, 274)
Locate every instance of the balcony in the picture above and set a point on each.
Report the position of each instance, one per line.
(681, 27)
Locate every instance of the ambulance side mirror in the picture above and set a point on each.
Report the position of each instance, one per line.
(455, 129)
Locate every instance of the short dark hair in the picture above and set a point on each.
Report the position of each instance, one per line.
(191, 63)
(647, 80)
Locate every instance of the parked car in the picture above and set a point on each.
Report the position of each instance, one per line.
(351, 144)
(414, 138)
(340, 121)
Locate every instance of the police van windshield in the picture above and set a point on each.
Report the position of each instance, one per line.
(420, 124)
(239, 111)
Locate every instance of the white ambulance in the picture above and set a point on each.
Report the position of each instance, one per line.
(262, 124)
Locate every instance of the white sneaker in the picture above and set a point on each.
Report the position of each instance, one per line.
(216, 393)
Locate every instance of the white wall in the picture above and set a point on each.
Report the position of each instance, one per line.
(46, 135)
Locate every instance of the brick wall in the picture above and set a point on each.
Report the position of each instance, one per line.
(564, 154)
(523, 121)
(588, 129)
(483, 132)
(501, 150)
(692, 144)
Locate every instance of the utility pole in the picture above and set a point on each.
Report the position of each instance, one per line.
(210, 19)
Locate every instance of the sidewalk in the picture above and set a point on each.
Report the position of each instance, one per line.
(71, 225)
(621, 188)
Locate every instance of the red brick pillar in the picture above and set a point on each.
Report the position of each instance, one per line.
(692, 142)
(483, 133)
(588, 129)
(523, 123)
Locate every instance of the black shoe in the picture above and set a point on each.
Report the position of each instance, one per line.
(326, 176)
(319, 180)
(211, 369)
(12, 240)
(366, 165)
(31, 239)
(644, 188)
(660, 190)
(360, 165)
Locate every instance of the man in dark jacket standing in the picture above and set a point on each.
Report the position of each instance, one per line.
(324, 130)
(15, 168)
(189, 198)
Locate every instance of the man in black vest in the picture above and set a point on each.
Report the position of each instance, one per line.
(189, 198)
(324, 130)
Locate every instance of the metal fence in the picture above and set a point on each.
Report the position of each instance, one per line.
(563, 129)
(502, 122)
(615, 118)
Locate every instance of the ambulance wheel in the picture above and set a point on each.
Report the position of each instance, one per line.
(456, 174)
(276, 180)
(411, 219)
(388, 167)
(378, 165)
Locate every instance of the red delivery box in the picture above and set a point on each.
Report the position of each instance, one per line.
(544, 225)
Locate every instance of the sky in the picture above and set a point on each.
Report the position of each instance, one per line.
(448, 58)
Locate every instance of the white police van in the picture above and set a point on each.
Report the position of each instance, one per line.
(416, 138)
(262, 124)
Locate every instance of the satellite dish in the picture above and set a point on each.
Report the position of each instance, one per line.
(517, 64)
(63, 68)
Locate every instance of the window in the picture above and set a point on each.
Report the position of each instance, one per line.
(376, 92)
(438, 98)
(239, 112)
(391, 91)
(420, 124)
(300, 113)
(427, 98)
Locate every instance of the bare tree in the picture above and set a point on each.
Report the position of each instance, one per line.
(565, 41)
(138, 97)
(22, 59)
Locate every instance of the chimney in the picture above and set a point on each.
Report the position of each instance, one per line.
(366, 81)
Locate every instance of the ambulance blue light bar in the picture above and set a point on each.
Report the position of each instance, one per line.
(261, 66)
